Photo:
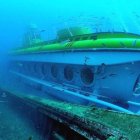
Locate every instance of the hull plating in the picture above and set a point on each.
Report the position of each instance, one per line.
(105, 78)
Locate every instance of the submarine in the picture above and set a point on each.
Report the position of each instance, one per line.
(81, 85)
(80, 67)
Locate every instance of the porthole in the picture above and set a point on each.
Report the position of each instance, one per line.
(26, 67)
(85, 38)
(94, 37)
(32, 67)
(87, 76)
(44, 69)
(68, 73)
(54, 71)
(19, 66)
(77, 38)
(36, 65)
(37, 69)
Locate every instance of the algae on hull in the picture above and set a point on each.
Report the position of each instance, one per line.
(110, 124)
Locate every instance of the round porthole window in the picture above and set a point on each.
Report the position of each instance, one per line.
(54, 71)
(68, 73)
(36, 68)
(32, 67)
(44, 69)
(87, 76)
(26, 68)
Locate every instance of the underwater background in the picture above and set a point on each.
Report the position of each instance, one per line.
(52, 15)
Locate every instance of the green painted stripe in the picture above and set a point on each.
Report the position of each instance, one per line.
(84, 44)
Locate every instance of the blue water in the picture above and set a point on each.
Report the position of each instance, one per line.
(51, 15)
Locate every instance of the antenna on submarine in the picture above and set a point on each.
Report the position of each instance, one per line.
(32, 35)
(67, 27)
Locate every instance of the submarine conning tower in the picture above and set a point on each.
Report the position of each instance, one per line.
(32, 36)
(67, 33)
